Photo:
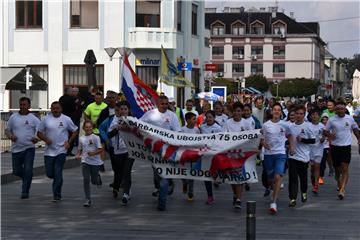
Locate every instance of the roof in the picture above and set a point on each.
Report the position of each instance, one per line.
(293, 27)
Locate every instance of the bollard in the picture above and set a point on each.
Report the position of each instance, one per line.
(250, 220)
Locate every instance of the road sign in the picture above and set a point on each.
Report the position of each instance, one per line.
(211, 67)
(185, 66)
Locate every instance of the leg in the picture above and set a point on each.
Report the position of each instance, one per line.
(303, 174)
(117, 175)
(94, 173)
(17, 163)
(58, 177)
(208, 187)
(279, 161)
(190, 188)
(127, 174)
(28, 170)
(156, 178)
(323, 162)
(86, 179)
(293, 179)
(49, 166)
(164, 184)
(344, 176)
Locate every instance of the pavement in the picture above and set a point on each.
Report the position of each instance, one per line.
(322, 217)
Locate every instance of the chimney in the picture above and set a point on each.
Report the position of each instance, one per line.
(292, 15)
(226, 9)
(242, 9)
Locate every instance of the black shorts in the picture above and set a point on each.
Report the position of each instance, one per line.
(340, 154)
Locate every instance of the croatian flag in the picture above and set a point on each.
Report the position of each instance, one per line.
(141, 97)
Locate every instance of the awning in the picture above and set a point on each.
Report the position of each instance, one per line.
(7, 73)
(249, 90)
(255, 90)
(18, 82)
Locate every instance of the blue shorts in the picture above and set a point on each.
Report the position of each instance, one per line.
(275, 164)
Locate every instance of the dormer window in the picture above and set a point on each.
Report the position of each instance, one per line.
(218, 28)
(257, 28)
(238, 28)
(279, 28)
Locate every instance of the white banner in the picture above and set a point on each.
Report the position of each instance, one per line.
(226, 157)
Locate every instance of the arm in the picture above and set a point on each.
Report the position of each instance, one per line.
(10, 135)
(98, 151)
(42, 137)
(71, 139)
(306, 141)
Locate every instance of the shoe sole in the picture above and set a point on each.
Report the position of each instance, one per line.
(272, 211)
(341, 197)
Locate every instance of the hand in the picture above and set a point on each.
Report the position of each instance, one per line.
(266, 146)
(34, 140)
(66, 145)
(291, 150)
(299, 138)
(48, 142)
(322, 140)
(78, 157)
(13, 138)
(90, 154)
(332, 136)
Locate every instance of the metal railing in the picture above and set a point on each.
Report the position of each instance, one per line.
(5, 144)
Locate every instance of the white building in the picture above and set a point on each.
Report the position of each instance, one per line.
(53, 36)
(264, 42)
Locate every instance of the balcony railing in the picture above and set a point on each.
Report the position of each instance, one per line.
(144, 37)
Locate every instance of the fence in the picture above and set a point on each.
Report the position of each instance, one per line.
(5, 145)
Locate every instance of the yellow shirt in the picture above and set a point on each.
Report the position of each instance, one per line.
(93, 111)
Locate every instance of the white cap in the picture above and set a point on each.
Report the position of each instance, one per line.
(171, 99)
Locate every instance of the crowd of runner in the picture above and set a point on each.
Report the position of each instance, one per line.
(294, 136)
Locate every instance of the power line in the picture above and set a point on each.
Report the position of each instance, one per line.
(338, 19)
(347, 40)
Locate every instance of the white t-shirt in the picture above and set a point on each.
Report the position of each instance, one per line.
(193, 111)
(111, 111)
(342, 127)
(194, 130)
(259, 113)
(302, 150)
(167, 120)
(117, 141)
(275, 135)
(221, 119)
(57, 130)
(249, 123)
(215, 128)
(317, 148)
(242, 125)
(24, 128)
(88, 144)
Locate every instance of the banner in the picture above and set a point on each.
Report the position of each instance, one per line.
(226, 157)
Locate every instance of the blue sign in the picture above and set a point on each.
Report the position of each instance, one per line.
(185, 66)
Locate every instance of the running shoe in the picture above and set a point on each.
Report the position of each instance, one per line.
(155, 193)
(273, 208)
(185, 188)
(56, 199)
(282, 186)
(292, 203)
(125, 199)
(267, 192)
(190, 197)
(315, 189)
(171, 188)
(161, 207)
(341, 195)
(24, 196)
(216, 184)
(304, 197)
(115, 193)
(331, 172)
(321, 181)
(98, 181)
(247, 187)
(237, 204)
(210, 201)
(87, 203)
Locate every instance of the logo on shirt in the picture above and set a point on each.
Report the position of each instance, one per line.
(61, 124)
(253, 123)
(91, 142)
(167, 120)
(281, 130)
(346, 124)
(242, 129)
(26, 122)
(302, 130)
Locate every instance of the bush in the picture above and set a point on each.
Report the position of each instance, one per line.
(257, 81)
(297, 87)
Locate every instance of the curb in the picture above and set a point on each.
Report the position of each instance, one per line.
(37, 171)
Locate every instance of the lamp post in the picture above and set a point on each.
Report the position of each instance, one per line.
(277, 87)
(243, 82)
(122, 51)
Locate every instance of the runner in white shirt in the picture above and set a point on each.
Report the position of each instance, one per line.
(317, 149)
(210, 126)
(89, 151)
(298, 162)
(162, 117)
(122, 163)
(189, 107)
(275, 132)
(326, 154)
(54, 131)
(338, 129)
(188, 185)
(21, 130)
(220, 117)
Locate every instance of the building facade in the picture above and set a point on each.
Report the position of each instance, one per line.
(52, 37)
(265, 42)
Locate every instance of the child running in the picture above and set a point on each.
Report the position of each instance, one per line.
(89, 151)
(190, 127)
(326, 154)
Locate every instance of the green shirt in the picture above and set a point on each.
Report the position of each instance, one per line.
(330, 114)
(93, 111)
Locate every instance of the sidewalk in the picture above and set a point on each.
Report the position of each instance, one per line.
(322, 217)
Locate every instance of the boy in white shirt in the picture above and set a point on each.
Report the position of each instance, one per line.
(54, 131)
(298, 162)
(21, 129)
(220, 117)
(338, 129)
(89, 151)
(190, 118)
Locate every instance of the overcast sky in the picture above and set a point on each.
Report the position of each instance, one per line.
(306, 11)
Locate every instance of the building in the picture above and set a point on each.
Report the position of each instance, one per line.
(52, 37)
(264, 41)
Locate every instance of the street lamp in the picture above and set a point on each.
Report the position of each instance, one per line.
(277, 87)
(243, 82)
(122, 51)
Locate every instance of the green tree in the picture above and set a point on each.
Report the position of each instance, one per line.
(351, 64)
(257, 81)
(231, 86)
(297, 87)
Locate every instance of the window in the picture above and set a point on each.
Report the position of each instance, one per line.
(195, 79)
(194, 14)
(238, 29)
(256, 68)
(221, 68)
(148, 74)
(218, 51)
(148, 13)
(218, 29)
(257, 29)
(179, 5)
(75, 75)
(279, 30)
(238, 68)
(279, 68)
(238, 50)
(84, 14)
(279, 50)
(28, 14)
(207, 42)
(256, 50)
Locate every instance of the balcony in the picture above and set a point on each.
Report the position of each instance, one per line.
(144, 37)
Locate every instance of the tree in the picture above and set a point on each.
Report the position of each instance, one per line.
(351, 64)
(230, 85)
(257, 81)
(297, 87)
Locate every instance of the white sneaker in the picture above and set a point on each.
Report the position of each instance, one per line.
(282, 186)
(273, 208)
(125, 199)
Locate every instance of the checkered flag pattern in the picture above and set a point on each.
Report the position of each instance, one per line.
(144, 102)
